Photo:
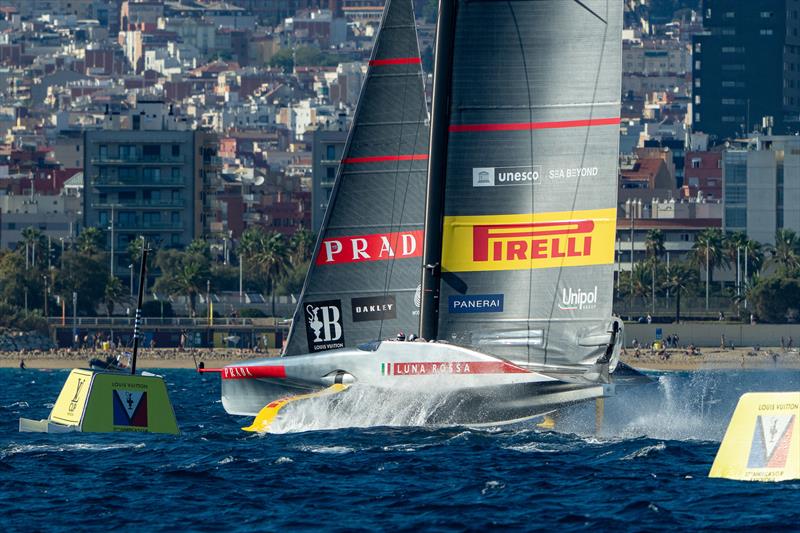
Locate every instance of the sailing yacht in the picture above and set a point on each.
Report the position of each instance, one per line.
(467, 253)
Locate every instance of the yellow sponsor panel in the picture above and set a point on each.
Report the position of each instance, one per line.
(762, 442)
(523, 242)
(71, 402)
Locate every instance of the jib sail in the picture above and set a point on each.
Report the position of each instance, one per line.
(363, 282)
(530, 188)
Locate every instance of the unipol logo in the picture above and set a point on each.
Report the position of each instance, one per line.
(324, 325)
(577, 300)
(375, 247)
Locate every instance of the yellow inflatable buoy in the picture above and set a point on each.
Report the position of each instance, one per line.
(762, 442)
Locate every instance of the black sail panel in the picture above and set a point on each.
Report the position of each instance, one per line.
(362, 284)
(530, 187)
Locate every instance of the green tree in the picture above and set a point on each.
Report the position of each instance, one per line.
(785, 254)
(200, 248)
(283, 59)
(113, 293)
(16, 281)
(182, 274)
(301, 245)
(34, 245)
(135, 254)
(80, 274)
(776, 299)
(266, 256)
(654, 244)
(753, 258)
(709, 246)
(679, 279)
(91, 241)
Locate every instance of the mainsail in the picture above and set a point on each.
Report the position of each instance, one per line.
(363, 281)
(530, 177)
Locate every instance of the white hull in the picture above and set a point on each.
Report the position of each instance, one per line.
(462, 386)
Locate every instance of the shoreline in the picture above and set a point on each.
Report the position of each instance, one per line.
(677, 360)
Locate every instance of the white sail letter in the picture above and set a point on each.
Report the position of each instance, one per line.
(386, 247)
(359, 249)
(409, 244)
(332, 248)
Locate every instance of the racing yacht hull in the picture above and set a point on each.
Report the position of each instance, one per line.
(457, 385)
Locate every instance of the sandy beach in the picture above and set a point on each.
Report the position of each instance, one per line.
(678, 359)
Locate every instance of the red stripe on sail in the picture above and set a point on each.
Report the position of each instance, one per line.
(395, 61)
(524, 126)
(384, 158)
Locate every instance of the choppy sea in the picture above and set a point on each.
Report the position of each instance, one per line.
(646, 470)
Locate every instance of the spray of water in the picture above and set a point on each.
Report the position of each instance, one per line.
(359, 407)
(677, 406)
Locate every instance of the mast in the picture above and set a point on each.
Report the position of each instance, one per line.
(138, 319)
(437, 164)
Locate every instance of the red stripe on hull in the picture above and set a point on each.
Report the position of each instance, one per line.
(395, 61)
(525, 126)
(247, 372)
(384, 158)
(419, 368)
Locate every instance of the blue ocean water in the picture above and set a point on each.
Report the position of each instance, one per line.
(645, 470)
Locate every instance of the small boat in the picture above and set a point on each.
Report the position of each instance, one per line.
(485, 228)
(114, 363)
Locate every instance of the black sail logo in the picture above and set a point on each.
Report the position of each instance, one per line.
(324, 325)
(374, 308)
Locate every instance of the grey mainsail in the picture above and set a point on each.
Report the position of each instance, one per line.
(362, 284)
(530, 186)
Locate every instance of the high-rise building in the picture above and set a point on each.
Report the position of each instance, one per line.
(148, 174)
(746, 66)
(761, 183)
(326, 153)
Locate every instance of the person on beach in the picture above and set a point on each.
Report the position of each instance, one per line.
(22, 364)
(722, 342)
(783, 343)
(649, 319)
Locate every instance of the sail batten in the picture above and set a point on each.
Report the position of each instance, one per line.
(362, 282)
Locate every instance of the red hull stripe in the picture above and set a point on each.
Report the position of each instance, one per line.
(523, 126)
(422, 368)
(383, 158)
(247, 372)
(395, 61)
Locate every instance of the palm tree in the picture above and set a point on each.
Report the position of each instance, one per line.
(90, 241)
(183, 274)
(679, 279)
(785, 254)
(266, 253)
(753, 257)
(734, 245)
(33, 238)
(114, 291)
(708, 250)
(302, 246)
(654, 243)
(199, 247)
